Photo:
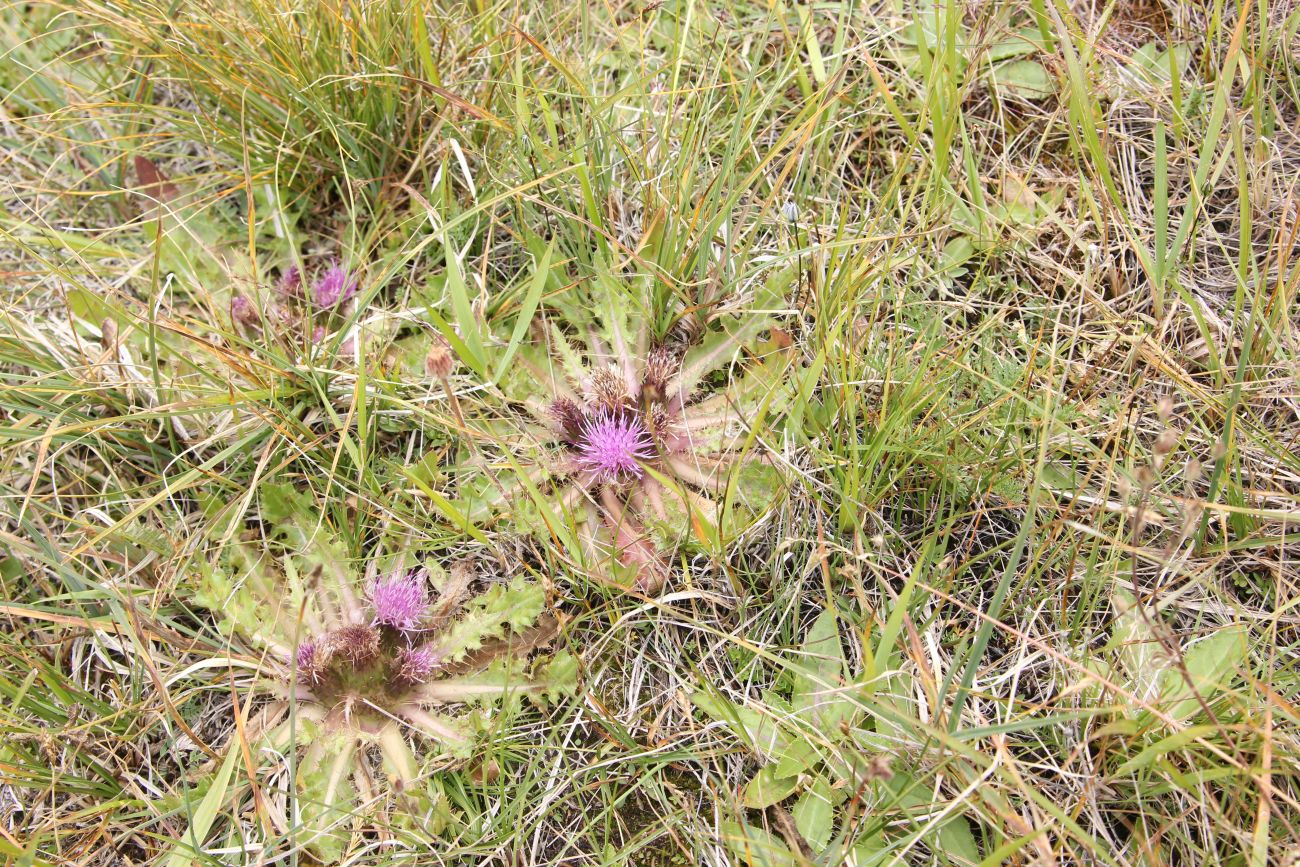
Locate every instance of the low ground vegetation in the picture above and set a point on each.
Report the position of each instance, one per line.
(656, 433)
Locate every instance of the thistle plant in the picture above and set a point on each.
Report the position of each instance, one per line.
(293, 310)
(641, 444)
(359, 668)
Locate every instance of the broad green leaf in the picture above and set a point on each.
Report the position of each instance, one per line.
(1211, 664)
(766, 788)
(754, 847)
(1024, 79)
(819, 672)
(814, 814)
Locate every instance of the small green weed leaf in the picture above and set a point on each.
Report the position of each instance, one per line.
(800, 756)
(814, 814)
(760, 731)
(956, 253)
(526, 311)
(1176, 741)
(326, 794)
(819, 672)
(767, 788)
(468, 326)
(1136, 645)
(1154, 67)
(1024, 79)
(871, 851)
(1211, 665)
(956, 839)
(1017, 44)
(755, 847)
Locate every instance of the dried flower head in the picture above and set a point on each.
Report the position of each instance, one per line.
(335, 287)
(569, 417)
(659, 423)
(400, 600)
(357, 643)
(613, 444)
(439, 363)
(661, 366)
(606, 389)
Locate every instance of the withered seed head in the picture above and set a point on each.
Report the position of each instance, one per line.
(358, 644)
(568, 416)
(606, 390)
(658, 422)
(439, 362)
(660, 367)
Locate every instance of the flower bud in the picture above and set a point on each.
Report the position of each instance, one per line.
(440, 362)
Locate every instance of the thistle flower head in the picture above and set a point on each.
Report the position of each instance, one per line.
(414, 664)
(606, 390)
(439, 363)
(358, 643)
(568, 416)
(612, 444)
(308, 659)
(400, 600)
(660, 366)
(242, 312)
(334, 288)
(290, 285)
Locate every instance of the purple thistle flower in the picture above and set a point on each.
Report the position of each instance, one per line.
(242, 312)
(334, 288)
(400, 600)
(414, 664)
(612, 444)
(308, 660)
(306, 655)
(290, 284)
